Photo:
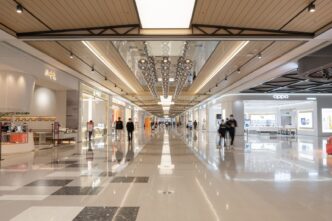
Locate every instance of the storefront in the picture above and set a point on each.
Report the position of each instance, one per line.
(94, 107)
(282, 117)
(284, 114)
(30, 112)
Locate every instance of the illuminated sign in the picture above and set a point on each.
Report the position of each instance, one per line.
(51, 74)
(280, 96)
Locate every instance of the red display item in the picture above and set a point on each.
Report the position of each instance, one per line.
(18, 138)
(329, 145)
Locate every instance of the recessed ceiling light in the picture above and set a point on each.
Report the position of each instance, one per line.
(312, 7)
(259, 55)
(19, 8)
(165, 13)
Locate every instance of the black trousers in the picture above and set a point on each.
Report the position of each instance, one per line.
(90, 134)
(232, 134)
(130, 135)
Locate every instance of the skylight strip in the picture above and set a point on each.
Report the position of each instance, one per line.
(107, 63)
(165, 13)
(223, 63)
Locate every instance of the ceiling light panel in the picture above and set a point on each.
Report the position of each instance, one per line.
(165, 48)
(165, 14)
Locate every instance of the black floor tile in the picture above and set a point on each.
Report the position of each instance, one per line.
(64, 162)
(75, 165)
(130, 179)
(108, 213)
(141, 179)
(77, 190)
(49, 183)
(123, 179)
(126, 214)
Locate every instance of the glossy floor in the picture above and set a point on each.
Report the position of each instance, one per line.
(173, 174)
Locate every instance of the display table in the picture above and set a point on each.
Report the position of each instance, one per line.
(65, 137)
(18, 143)
(260, 129)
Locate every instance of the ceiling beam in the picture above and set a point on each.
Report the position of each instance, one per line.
(196, 32)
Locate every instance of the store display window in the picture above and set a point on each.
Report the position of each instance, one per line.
(327, 120)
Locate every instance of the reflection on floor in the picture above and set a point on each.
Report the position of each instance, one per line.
(171, 174)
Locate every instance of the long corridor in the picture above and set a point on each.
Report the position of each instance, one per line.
(169, 174)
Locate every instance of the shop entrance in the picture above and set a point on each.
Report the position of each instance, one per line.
(94, 107)
(280, 117)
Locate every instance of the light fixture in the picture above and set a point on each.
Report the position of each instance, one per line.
(312, 7)
(19, 8)
(71, 55)
(259, 55)
(51, 74)
(92, 68)
(166, 101)
(226, 78)
(107, 63)
(165, 14)
(238, 71)
(223, 63)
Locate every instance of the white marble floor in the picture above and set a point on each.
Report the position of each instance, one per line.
(173, 174)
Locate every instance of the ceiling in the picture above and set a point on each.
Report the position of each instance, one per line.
(228, 40)
(293, 83)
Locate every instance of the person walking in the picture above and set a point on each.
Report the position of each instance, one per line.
(222, 132)
(90, 126)
(130, 128)
(195, 124)
(118, 128)
(232, 124)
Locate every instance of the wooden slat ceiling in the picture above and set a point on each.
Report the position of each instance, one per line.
(59, 53)
(64, 14)
(273, 51)
(69, 14)
(268, 14)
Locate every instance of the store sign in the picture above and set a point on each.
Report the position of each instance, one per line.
(51, 74)
(280, 96)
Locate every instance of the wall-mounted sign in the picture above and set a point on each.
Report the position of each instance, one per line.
(280, 96)
(305, 120)
(50, 74)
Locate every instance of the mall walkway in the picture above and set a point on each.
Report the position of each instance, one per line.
(170, 175)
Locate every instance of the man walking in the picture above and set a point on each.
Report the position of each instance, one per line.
(130, 129)
(195, 124)
(90, 126)
(118, 127)
(232, 124)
